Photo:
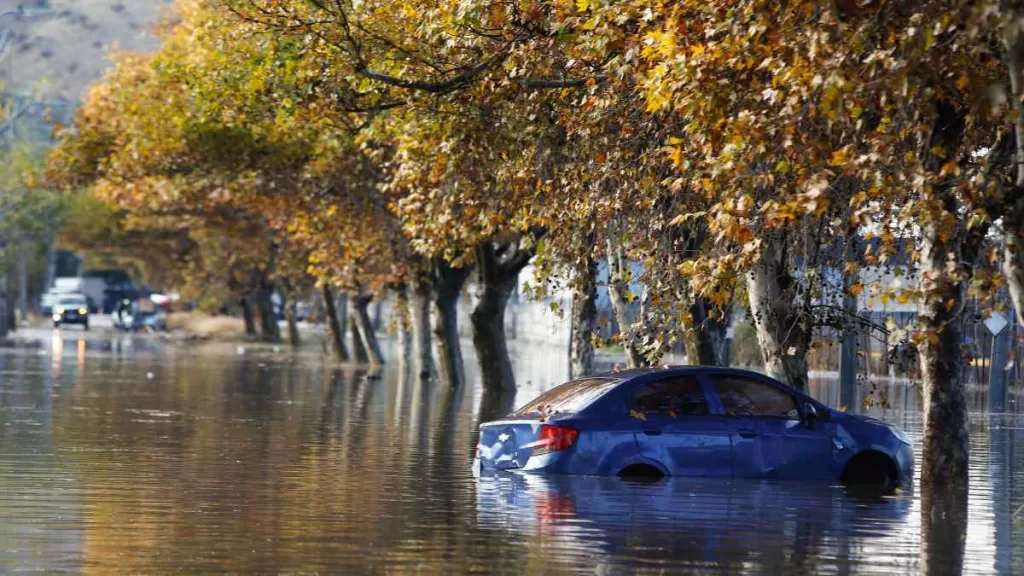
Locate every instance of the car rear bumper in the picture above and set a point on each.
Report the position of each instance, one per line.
(553, 463)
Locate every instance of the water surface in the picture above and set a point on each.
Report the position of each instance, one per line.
(130, 457)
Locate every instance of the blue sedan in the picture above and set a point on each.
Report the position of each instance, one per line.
(692, 421)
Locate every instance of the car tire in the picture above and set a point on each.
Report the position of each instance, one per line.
(870, 469)
(56, 324)
(85, 326)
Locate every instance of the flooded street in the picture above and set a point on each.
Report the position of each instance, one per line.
(128, 456)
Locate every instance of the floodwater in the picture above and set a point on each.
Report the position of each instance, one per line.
(122, 456)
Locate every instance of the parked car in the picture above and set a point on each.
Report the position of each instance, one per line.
(71, 309)
(692, 421)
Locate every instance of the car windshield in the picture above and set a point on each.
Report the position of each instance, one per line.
(72, 302)
(568, 398)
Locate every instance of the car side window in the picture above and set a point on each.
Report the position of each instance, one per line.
(678, 396)
(745, 397)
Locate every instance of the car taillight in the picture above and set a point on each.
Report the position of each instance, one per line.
(554, 438)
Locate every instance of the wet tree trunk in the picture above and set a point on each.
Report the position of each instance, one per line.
(620, 297)
(358, 348)
(709, 345)
(448, 284)
(943, 531)
(783, 333)
(1013, 220)
(420, 296)
(291, 314)
(364, 328)
(584, 314)
(335, 328)
(269, 330)
(498, 268)
(341, 305)
(405, 337)
(250, 322)
(946, 264)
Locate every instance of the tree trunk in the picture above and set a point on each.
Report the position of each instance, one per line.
(250, 322)
(708, 345)
(448, 286)
(1013, 220)
(364, 328)
(12, 325)
(420, 297)
(488, 320)
(946, 263)
(498, 270)
(23, 282)
(4, 324)
(943, 531)
(358, 348)
(782, 332)
(944, 455)
(335, 328)
(269, 330)
(405, 342)
(620, 296)
(584, 315)
(51, 264)
(291, 313)
(341, 305)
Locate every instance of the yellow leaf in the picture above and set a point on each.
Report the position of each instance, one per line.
(582, 5)
(856, 288)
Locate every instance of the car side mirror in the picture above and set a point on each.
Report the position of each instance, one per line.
(810, 415)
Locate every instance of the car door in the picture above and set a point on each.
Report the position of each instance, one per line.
(769, 437)
(676, 427)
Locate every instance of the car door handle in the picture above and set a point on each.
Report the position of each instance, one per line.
(746, 433)
(652, 431)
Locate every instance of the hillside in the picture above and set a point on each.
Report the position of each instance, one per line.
(59, 54)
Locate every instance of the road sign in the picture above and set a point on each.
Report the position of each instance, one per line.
(996, 323)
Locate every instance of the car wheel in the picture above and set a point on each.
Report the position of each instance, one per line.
(870, 469)
(56, 324)
(86, 326)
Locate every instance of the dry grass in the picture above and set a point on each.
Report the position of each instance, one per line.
(204, 326)
(60, 55)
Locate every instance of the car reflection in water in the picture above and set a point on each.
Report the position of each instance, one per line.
(698, 523)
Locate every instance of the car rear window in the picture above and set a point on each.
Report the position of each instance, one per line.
(568, 398)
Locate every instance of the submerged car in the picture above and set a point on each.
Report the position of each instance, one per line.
(692, 421)
(71, 309)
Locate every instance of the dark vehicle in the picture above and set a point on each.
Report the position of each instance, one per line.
(71, 309)
(693, 421)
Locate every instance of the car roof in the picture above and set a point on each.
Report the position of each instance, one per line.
(631, 373)
(624, 376)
